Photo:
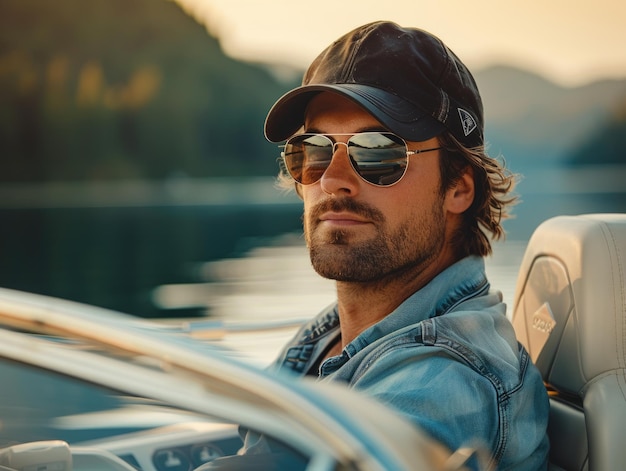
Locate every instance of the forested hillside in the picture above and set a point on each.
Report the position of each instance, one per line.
(106, 89)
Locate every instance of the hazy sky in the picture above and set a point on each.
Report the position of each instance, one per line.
(569, 41)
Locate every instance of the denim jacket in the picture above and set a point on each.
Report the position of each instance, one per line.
(447, 358)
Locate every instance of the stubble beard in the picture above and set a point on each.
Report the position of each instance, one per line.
(388, 254)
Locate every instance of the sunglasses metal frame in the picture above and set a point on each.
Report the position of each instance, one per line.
(408, 152)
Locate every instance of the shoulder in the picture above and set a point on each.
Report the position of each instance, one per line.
(479, 343)
(458, 377)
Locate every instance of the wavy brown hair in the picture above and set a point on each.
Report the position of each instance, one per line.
(493, 186)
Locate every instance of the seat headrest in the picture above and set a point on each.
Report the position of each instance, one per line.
(570, 299)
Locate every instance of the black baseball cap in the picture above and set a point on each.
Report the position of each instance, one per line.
(406, 78)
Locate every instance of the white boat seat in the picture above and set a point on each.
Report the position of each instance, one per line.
(570, 314)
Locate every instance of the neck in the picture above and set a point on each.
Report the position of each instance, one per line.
(363, 304)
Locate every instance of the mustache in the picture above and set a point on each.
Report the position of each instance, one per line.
(346, 204)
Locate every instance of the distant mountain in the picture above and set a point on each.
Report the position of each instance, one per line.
(532, 121)
(607, 146)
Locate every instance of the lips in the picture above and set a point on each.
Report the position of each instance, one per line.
(344, 212)
(342, 218)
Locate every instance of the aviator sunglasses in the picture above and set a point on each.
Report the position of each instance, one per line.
(379, 158)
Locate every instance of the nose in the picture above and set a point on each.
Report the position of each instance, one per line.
(340, 178)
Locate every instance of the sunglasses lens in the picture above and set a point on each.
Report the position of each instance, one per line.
(307, 156)
(379, 158)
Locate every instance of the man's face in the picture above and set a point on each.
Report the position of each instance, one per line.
(359, 232)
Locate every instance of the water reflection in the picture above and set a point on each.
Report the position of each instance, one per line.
(276, 285)
(271, 282)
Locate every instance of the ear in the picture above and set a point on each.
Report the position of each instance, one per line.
(461, 195)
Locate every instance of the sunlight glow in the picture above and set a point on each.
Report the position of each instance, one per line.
(570, 42)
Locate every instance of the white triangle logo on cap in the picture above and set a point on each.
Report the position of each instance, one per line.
(468, 122)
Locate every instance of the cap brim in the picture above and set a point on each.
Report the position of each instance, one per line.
(395, 113)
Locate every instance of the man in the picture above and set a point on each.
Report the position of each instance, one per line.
(384, 144)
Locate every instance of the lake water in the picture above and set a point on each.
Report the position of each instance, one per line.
(227, 250)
